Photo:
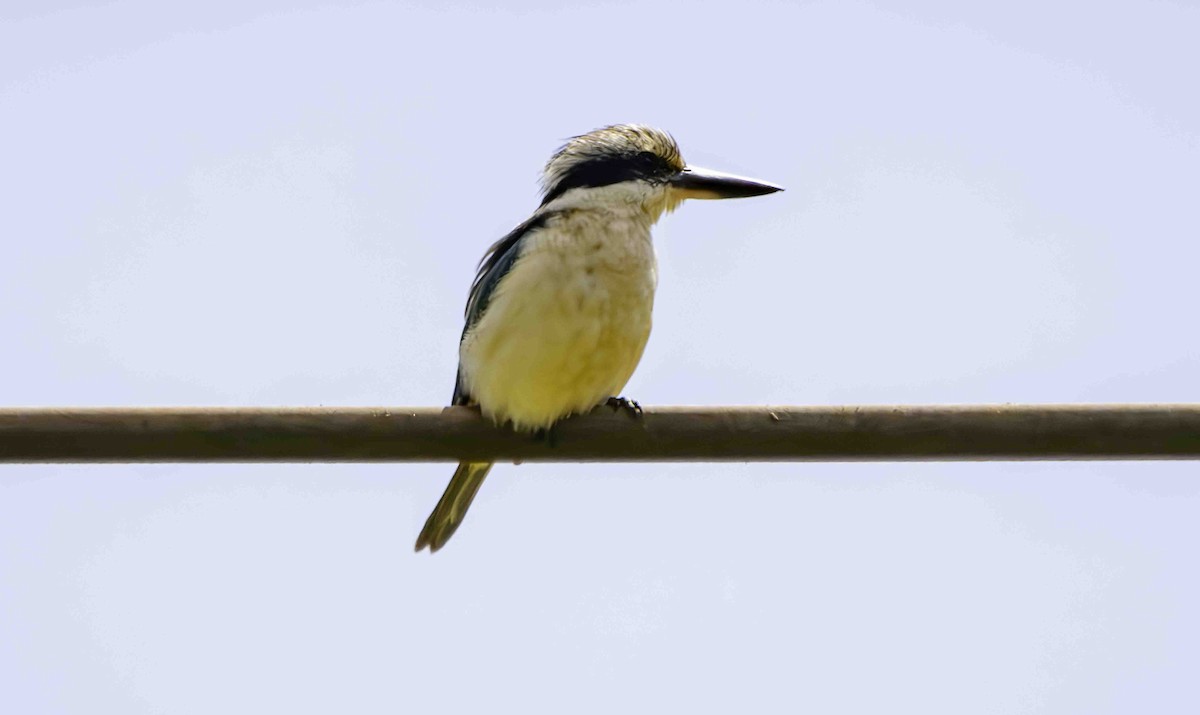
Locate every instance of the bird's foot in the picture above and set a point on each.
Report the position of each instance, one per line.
(624, 403)
(549, 435)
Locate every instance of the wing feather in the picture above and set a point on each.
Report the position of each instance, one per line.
(495, 264)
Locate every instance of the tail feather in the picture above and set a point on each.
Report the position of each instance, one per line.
(453, 505)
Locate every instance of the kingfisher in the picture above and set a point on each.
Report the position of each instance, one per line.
(559, 312)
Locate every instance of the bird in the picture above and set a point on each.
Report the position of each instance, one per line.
(560, 309)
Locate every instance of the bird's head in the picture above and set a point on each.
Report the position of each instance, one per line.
(635, 163)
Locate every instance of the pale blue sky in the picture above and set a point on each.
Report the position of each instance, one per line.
(282, 206)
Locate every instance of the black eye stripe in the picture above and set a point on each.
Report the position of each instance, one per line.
(607, 169)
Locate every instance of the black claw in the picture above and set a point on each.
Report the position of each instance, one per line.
(549, 435)
(624, 403)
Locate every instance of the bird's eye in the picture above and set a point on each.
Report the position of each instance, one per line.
(651, 164)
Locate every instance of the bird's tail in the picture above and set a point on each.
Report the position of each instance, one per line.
(453, 505)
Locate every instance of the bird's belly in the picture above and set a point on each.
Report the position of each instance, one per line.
(558, 339)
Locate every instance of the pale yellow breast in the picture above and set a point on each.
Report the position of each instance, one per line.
(567, 325)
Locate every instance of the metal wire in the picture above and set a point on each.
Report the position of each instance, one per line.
(398, 434)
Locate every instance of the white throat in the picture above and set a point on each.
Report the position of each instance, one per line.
(626, 198)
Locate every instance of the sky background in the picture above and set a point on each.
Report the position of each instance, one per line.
(280, 204)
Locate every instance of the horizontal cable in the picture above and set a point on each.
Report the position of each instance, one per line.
(751, 434)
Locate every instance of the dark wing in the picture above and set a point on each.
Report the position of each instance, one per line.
(494, 265)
